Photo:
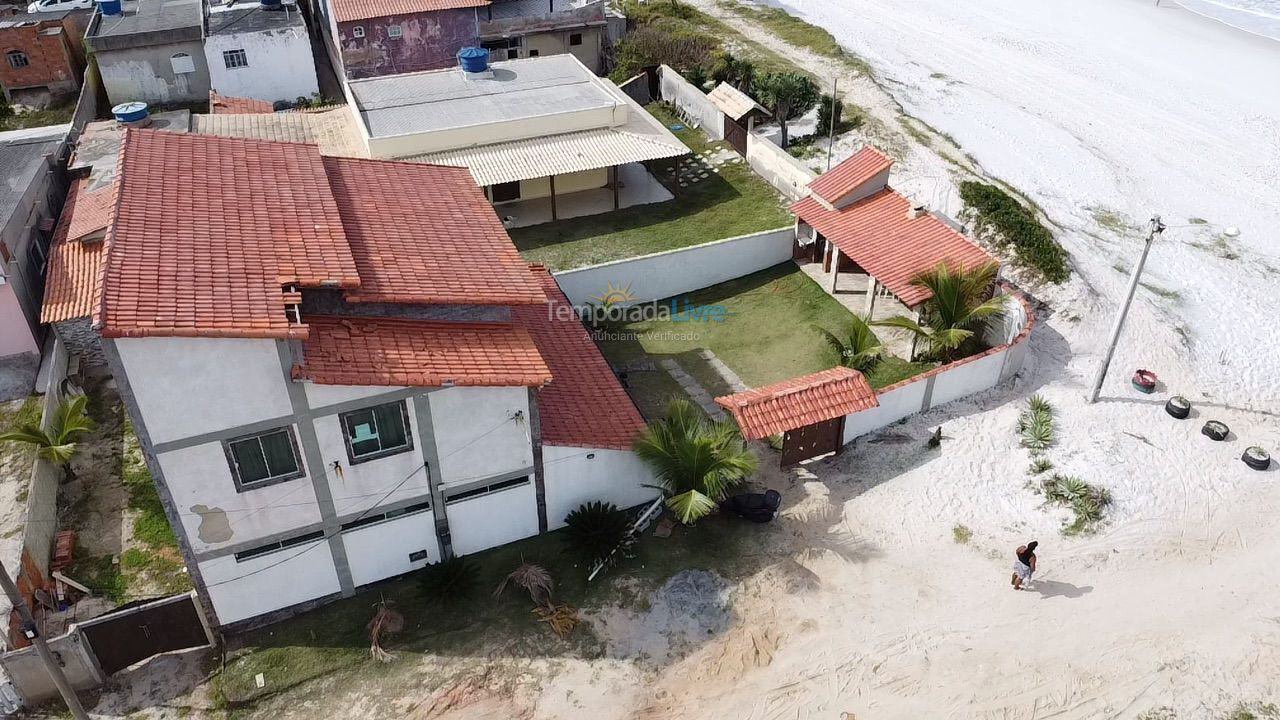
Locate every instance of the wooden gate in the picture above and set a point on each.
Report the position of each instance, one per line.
(811, 441)
(124, 637)
(735, 135)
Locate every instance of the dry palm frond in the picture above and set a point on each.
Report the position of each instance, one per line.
(561, 618)
(385, 622)
(535, 580)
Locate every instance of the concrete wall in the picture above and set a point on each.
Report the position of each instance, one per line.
(22, 291)
(383, 550)
(565, 184)
(664, 275)
(955, 380)
(692, 103)
(580, 475)
(637, 88)
(506, 446)
(15, 331)
(428, 41)
(785, 173)
(491, 520)
(31, 679)
(289, 576)
(146, 74)
(556, 42)
(280, 64)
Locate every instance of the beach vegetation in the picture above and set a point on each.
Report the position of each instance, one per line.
(788, 95)
(857, 345)
(955, 314)
(1086, 501)
(1015, 226)
(593, 530)
(452, 581)
(961, 534)
(59, 443)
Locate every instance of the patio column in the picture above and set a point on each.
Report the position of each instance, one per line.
(552, 179)
(873, 288)
(835, 268)
(613, 180)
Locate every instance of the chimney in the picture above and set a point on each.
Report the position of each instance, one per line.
(917, 211)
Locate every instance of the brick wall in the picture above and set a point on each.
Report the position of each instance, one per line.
(428, 41)
(52, 57)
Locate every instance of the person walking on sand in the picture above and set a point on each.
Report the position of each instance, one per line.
(1025, 564)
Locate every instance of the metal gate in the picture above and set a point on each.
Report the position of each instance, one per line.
(811, 441)
(124, 637)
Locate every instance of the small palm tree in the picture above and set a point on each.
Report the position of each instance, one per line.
(858, 347)
(958, 309)
(58, 444)
(787, 95)
(697, 461)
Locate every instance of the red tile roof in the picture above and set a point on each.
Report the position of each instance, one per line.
(426, 234)
(585, 405)
(844, 178)
(71, 285)
(801, 401)
(208, 232)
(419, 353)
(879, 236)
(353, 10)
(230, 105)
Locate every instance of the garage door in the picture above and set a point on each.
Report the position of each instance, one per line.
(485, 517)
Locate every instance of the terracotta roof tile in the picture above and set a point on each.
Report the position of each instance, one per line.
(227, 104)
(585, 405)
(71, 286)
(352, 10)
(846, 177)
(208, 231)
(418, 353)
(800, 401)
(426, 234)
(877, 234)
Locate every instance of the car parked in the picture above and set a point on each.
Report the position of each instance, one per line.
(56, 5)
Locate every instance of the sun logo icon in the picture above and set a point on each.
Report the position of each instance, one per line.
(613, 295)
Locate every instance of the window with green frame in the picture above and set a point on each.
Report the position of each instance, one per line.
(264, 458)
(376, 432)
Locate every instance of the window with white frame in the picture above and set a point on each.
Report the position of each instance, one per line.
(182, 64)
(393, 31)
(235, 59)
(17, 59)
(264, 458)
(357, 32)
(376, 432)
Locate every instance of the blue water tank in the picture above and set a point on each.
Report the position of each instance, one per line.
(474, 59)
(269, 4)
(130, 113)
(111, 7)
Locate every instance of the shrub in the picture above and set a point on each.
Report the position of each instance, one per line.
(665, 40)
(450, 582)
(594, 530)
(1086, 501)
(1040, 465)
(1018, 227)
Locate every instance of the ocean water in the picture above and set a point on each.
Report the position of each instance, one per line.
(1261, 17)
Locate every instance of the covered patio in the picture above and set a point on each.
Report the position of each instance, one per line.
(629, 185)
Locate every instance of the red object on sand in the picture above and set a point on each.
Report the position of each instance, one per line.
(1144, 381)
(64, 545)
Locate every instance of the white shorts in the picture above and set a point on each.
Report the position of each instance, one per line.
(1021, 571)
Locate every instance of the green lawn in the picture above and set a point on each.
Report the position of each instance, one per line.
(733, 202)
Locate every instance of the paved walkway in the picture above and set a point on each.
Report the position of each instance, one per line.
(699, 394)
(852, 293)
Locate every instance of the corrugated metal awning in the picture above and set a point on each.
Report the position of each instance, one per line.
(556, 154)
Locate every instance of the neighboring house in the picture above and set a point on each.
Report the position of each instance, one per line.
(43, 56)
(340, 369)
(153, 51)
(32, 186)
(514, 29)
(260, 51)
(231, 105)
(544, 136)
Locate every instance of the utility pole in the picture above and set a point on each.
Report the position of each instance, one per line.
(831, 132)
(1157, 228)
(32, 632)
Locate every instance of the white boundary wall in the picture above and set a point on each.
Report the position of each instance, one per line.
(956, 380)
(786, 174)
(577, 475)
(693, 104)
(671, 273)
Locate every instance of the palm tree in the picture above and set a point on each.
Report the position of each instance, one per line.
(858, 347)
(787, 95)
(958, 309)
(697, 461)
(58, 444)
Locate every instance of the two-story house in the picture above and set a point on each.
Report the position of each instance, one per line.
(340, 370)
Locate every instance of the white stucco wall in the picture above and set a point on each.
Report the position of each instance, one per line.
(362, 486)
(967, 378)
(280, 65)
(565, 184)
(477, 434)
(321, 396)
(382, 550)
(615, 476)
(201, 476)
(667, 274)
(191, 386)
(894, 405)
(692, 102)
(495, 519)
(296, 574)
(786, 174)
